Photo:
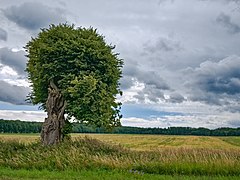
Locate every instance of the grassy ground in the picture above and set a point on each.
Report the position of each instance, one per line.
(235, 141)
(10, 174)
(138, 157)
(21, 138)
(155, 142)
(146, 142)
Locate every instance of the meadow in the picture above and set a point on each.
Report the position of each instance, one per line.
(114, 156)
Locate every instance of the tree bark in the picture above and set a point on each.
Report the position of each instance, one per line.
(52, 127)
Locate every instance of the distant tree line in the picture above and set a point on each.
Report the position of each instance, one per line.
(17, 126)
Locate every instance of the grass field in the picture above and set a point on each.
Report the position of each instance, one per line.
(146, 142)
(112, 156)
(10, 174)
(155, 142)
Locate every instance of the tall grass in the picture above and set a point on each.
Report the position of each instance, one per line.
(86, 153)
(146, 142)
(155, 142)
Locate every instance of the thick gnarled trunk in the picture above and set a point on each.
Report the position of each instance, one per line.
(52, 127)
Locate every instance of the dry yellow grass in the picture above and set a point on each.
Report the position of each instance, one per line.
(155, 154)
(23, 138)
(154, 142)
(147, 142)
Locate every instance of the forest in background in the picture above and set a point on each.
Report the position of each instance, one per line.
(17, 126)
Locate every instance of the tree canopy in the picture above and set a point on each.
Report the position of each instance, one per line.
(84, 68)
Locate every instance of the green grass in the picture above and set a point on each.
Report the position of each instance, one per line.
(92, 154)
(120, 157)
(7, 173)
(13, 174)
(235, 141)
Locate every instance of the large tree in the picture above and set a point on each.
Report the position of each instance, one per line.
(74, 73)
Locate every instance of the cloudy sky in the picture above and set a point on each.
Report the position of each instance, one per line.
(182, 57)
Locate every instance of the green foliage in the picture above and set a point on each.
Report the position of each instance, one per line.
(83, 66)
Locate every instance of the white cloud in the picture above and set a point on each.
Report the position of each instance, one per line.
(7, 72)
(23, 115)
(168, 47)
(141, 122)
(211, 121)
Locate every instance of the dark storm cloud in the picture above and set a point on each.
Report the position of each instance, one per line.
(150, 93)
(154, 84)
(126, 82)
(176, 98)
(153, 93)
(131, 70)
(140, 96)
(234, 123)
(15, 60)
(220, 78)
(216, 82)
(236, 1)
(228, 1)
(225, 21)
(208, 98)
(33, 16)
(163, 45)
(12, 93)
(160, 2)
(233, 107)
(153, 89)
(3, 34)
(152, 78)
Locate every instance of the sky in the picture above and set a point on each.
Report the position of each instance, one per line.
(181, 57)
